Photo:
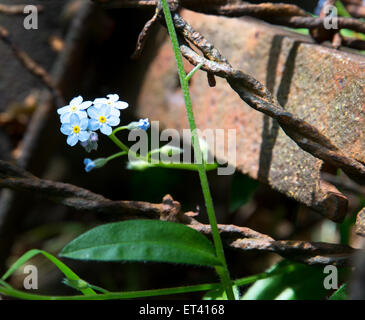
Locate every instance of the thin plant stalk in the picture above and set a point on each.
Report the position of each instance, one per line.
(223, 270)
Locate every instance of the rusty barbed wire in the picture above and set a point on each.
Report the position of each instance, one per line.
(258, 97)
(235, 237)
(288, 15)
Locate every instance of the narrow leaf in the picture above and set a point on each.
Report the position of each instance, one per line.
(340, 294)
(59, 264)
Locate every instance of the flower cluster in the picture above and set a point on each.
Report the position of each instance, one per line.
(80, 120)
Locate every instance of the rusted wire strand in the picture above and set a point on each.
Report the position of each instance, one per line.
(279, 13)
(258, 97)
(276, 13)
(235, 237)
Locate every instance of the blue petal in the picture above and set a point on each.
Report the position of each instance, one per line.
(89, 167)
(76, 101)
(74, 119)
(105, 110)
(83, 136)
(107, 130)
(81, 114)
(89, 164)
(72, 139)
(113, 121)
(65, 118)
(63, 109)
(121, 105)
(94, 124)
(84, 122)
(115, 112)
(93, 112)
(100, 101)
(113, 97)
(144, 124)
(66, 129)
(85, 105)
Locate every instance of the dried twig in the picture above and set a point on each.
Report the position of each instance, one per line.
(8, 216)
(33, 67)
(143, 36)
(235, 237)
(14, 9)
(355, 7)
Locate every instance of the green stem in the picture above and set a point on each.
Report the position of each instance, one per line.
(191, 73)
(119, 143)
(110, 295)
(185, 166)
(222, 271)
(8, 290)
(119, 154)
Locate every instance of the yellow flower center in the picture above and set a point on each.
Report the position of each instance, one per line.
(76, 129)
(102, 119)
(73, 108)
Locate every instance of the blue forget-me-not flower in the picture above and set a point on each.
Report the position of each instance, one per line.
(76, 106)
(113, 102)
(143, 124)
(89, 164)
(75, 129)
(80, 119)
(101, 118)
(92, 164)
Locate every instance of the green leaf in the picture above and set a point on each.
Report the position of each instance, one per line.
(242, 190)
(143, 240)
(302, 283)
(340, 294)
(341, 10)
(59, 264)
